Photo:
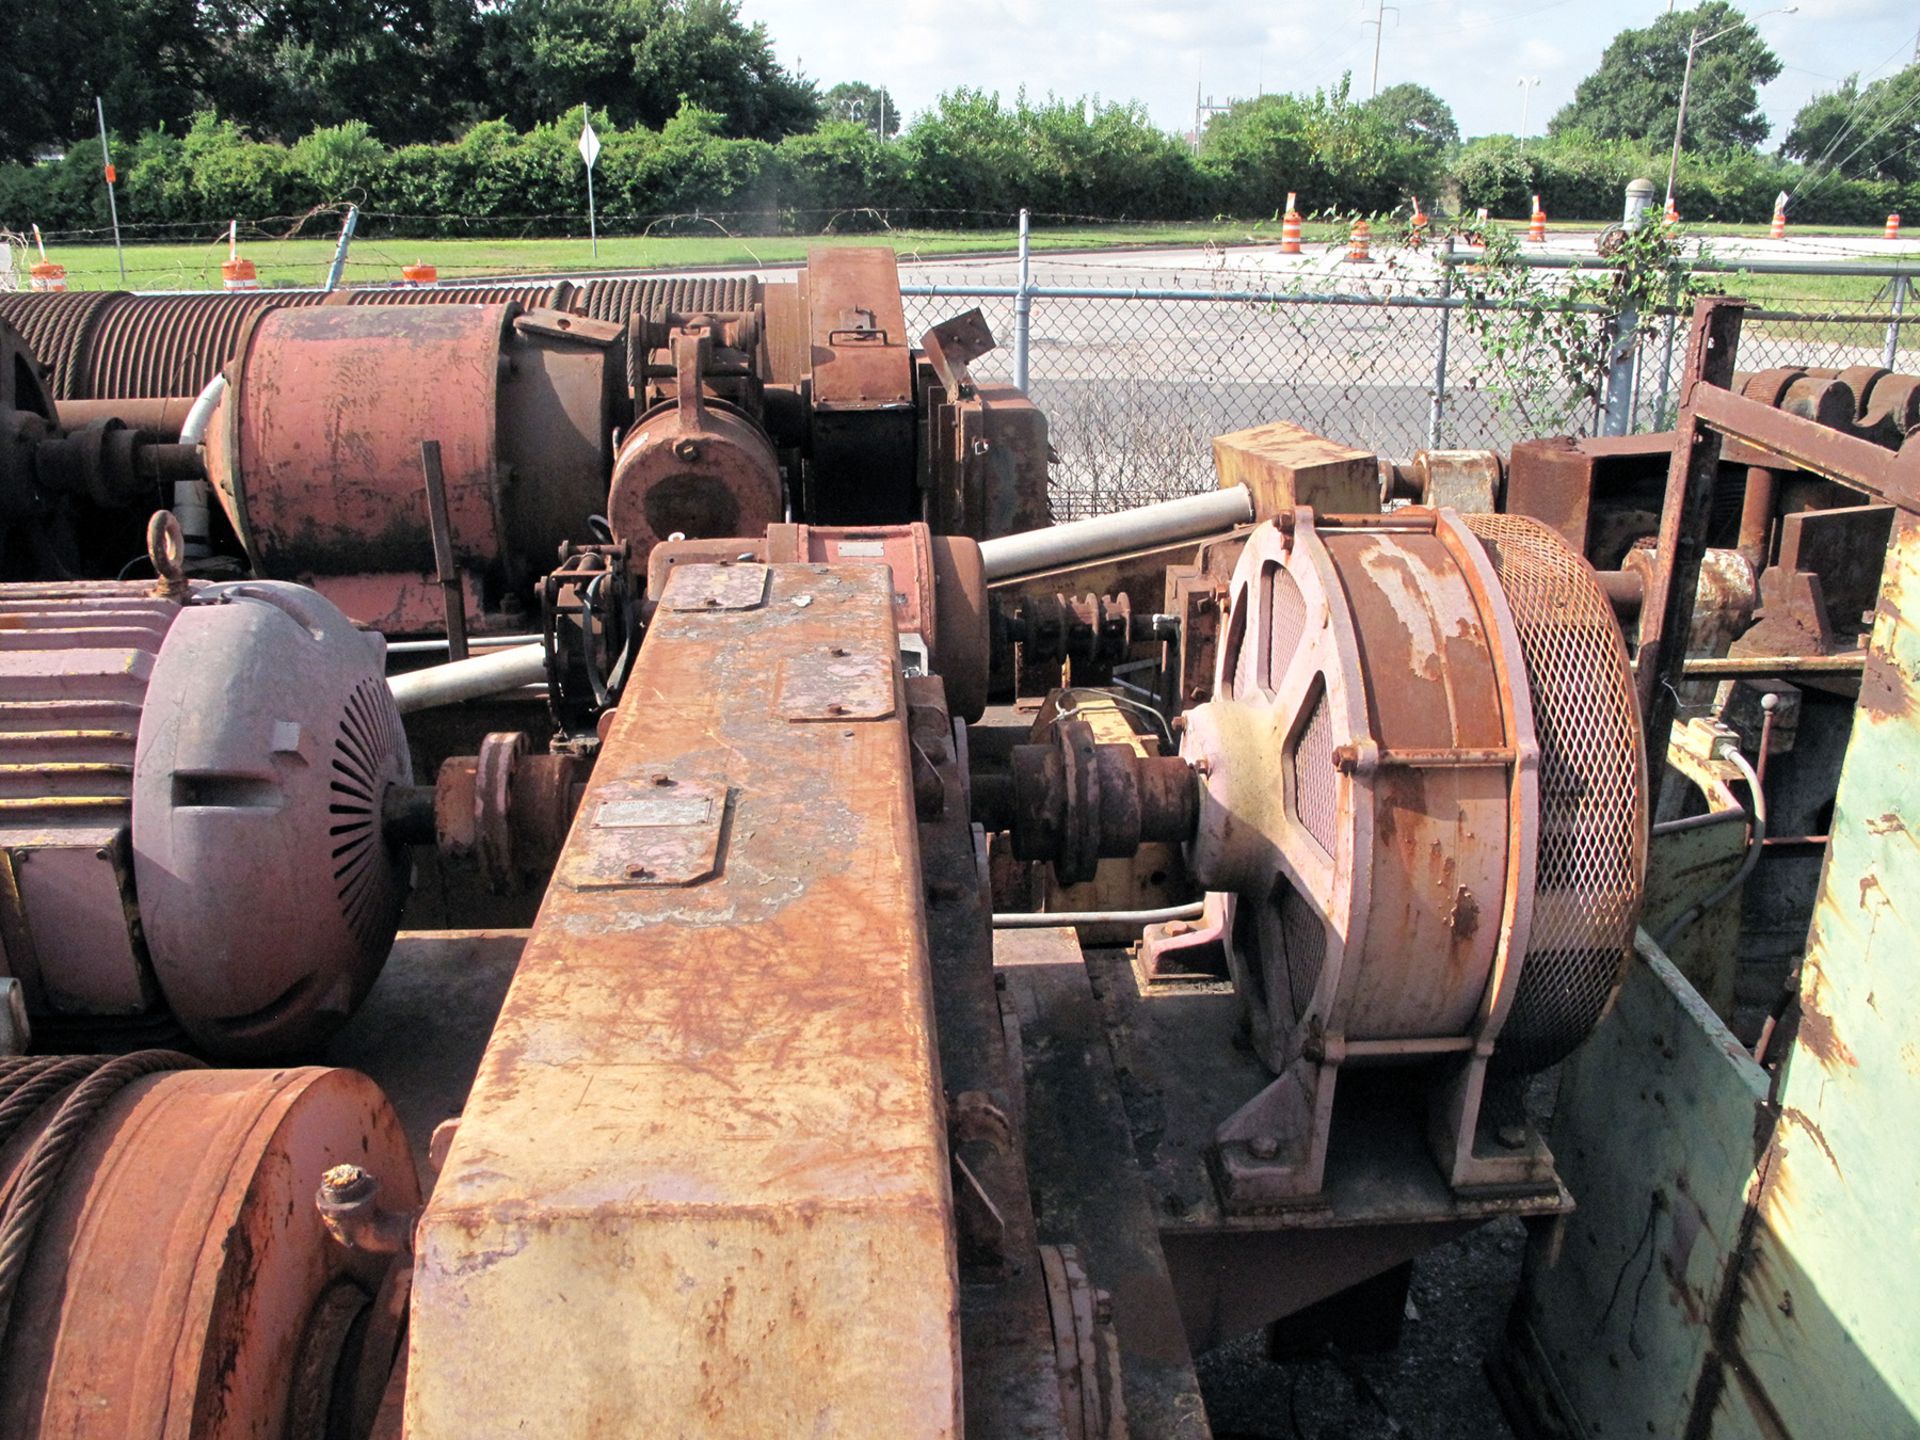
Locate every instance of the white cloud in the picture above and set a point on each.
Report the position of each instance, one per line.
(1469, 51)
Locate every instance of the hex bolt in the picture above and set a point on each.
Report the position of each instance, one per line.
(1264, 1147)
(639, 872)
(836, 708)
(661, 778)
(688, 450)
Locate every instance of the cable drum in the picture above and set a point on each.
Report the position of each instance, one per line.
(656, 297)
(57, 328)
(559, 295)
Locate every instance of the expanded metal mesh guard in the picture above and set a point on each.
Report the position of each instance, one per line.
(1592, 859)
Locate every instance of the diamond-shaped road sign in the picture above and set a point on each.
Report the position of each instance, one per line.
(589, 143)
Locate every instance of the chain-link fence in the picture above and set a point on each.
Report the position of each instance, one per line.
(1137, 379)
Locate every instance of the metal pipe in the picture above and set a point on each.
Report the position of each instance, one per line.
(1892, 356)
(470, 679)
(1436, 411)
(475, 642)
(1701, 667)
(340, 250)
(1041, 919)
(1023, 309)
(1756, 516)
(1210, 513)
(1756, 842)
(162, 416)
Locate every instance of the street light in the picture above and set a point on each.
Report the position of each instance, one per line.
(1694, 42)
(1526, 83)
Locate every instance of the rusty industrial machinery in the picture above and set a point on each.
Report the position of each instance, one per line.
(765, 935)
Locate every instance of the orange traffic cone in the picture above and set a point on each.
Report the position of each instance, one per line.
(44, 274)
(1418, 235)
(1778, 231)
(1673, 213)
(419, 276)
(1290, 228)
(1360, 241)
(235, 273)
(1537, 229)
(1893, 227)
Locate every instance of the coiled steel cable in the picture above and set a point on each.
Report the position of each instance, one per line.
(40, 1172)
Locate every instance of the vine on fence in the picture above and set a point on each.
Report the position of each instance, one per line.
(1549, 337)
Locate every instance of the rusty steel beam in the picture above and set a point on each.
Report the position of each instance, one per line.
(1888, 476)
(1666, 608)
(701, 1183)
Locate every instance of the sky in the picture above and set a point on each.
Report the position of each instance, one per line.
(1474, 53)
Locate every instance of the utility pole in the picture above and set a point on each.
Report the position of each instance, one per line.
(1379, 23)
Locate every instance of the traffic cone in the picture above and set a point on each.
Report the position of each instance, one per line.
(1290, 228)
(419, 276)
(1893, 227)
(45, 275)
(1673, 212)
(1418, 235)
(1779, 228)
(1360, 241)
(235, 273)
(1537, 230)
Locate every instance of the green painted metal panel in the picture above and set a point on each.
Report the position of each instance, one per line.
(1657, 1130)
(1823, 1341)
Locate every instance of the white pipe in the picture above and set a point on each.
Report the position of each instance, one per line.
(193, 431)
(470, 679)
(1041, 919)
(1210, 513)
(192, 505)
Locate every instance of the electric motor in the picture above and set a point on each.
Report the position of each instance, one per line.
(191, 791)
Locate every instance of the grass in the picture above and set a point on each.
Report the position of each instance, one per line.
(305, 261)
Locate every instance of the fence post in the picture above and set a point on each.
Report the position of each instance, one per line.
(1437, 411)
(1893, 326)
(1022, 308)
(340, 250)
(1666, 357)
(1623, 353)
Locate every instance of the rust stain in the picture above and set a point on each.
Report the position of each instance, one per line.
(1817, 1034)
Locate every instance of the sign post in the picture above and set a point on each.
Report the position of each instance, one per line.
(113, 207)
(590, 152)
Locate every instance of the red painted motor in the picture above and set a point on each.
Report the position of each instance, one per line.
(693, 466)
(194, 779)
(315, 451)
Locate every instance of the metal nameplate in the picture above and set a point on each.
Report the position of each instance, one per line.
(836, 683)
(651, 832)
(735, 586)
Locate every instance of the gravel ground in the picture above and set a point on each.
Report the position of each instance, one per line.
(1433, 1387)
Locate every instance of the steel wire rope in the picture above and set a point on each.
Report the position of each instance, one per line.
(40, 1172)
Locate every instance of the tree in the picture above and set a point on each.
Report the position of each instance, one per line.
(639, 60)
(862, 104)
(1635, 94)
(1419, 114)
(1871, 134)
(281, 68)
(142, 57)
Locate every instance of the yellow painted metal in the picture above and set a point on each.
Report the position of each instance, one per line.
(701, 1184)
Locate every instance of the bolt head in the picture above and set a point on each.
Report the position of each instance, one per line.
(1264, 1147)
(687, 449)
